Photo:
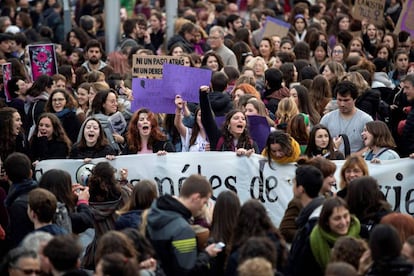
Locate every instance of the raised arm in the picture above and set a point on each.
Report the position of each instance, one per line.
(207, 118)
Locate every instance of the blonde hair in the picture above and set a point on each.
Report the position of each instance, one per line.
(359, 81)
(286, 109)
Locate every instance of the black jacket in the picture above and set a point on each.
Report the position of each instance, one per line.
(16, 203)
(220, 103)
(407, 139)
(369, 102)
(42, 149)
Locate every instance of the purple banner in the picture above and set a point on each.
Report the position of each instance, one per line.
(259, 130)
(42, 60)
(7, 74)
(158, 95)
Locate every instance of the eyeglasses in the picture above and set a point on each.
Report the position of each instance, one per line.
(58, 100)
(337, 51)
(213, 37)
(28, 271)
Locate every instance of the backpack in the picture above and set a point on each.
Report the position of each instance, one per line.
(62, 217)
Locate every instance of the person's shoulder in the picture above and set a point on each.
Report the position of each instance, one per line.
(329, 115)
(363, 115)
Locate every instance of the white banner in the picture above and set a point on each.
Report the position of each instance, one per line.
(248, 177)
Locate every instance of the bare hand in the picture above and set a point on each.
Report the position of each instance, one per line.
(204, 88)
(161, 153)
(149, 264)
(179, 103)
(212, 250)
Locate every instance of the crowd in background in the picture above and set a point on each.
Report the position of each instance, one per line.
(331, 88)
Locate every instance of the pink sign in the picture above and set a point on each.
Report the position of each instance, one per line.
(7, 74)
(42, 60)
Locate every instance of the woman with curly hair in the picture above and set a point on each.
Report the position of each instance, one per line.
(234, 135)
(253, 221)
(144, 135)
(11, 136)
(49, 140)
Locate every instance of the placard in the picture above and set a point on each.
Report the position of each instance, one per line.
(43, 60)
(373, 10)
(406, 20)
(151, 66)
(7, 74)
(275, 26)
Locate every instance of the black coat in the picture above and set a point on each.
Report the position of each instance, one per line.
(369, 102)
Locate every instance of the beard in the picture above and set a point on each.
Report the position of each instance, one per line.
(94, 60)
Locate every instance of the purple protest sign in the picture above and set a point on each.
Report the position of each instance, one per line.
(159, 94)
(259, 130)
(152, 94)
(7, 74)
(42, 60)
(186, 81)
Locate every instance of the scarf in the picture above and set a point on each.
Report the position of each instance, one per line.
(62, 113)
(287, 159)
(321, 242)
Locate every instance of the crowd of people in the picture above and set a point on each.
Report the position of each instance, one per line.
(331, 88)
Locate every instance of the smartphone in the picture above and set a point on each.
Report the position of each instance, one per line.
(220, 245)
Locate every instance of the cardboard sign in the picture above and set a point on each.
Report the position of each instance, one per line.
(275, 26)
(7, 74)
(406, 20)
(373, 10)
(43, 60)
(151, 66)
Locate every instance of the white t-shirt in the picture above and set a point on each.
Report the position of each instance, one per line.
(199, 145)
(352, 127)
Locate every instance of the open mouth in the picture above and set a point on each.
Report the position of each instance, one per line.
(145, 128)
(240, 127)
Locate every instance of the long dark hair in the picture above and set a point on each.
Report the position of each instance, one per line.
(195, 129)
(7, 139)
(312, 149)
(102, 183)
(244, 140)
(59, 133)
(253, 221)
(102, 140)
(225, 214)
(59, 183)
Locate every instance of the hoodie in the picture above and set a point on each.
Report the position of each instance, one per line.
(173, 238)
(16, 204)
